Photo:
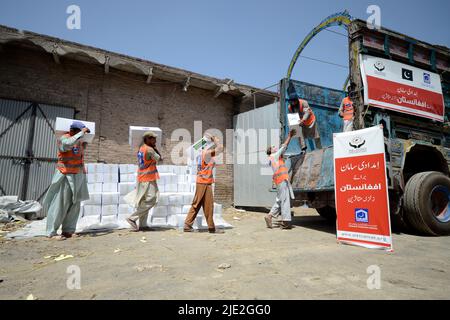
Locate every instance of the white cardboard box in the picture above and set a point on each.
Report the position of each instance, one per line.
(95, 177)
(185, 209)
(94, 167)
(136, 132)
(110, 198)
(122, 199)
(111, 177)
(182, 178)
(110, 210)
(94, 198)
(159, 221)
(125, 209)
(173, 179)
(171, 188)
(187, 198)
(217, 209)
(128, 177)
(88, 222)
(166, 177)
(175, 199)
(92, 210)
(111, 168)
(159, 211)
(126, 187)
(183, 187)
(163, 199)
(172, 221)
(293, 119)
(109, 187)
(180, 220)
(127, 168)
(62, 126)
(174, 210)
(95, 187)
(110, 220)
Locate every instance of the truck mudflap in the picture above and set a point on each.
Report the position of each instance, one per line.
(313, 171)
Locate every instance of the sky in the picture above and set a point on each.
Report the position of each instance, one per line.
(249, 41)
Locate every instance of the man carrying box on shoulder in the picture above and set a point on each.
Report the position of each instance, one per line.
(280, 177)
(69, 185)
(147, 192)
(203, 190)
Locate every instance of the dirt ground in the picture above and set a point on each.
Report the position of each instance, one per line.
(302, 263)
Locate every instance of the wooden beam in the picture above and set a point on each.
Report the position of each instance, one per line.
(107, 64)
(150, 75)
(55, 54)
(218, 92)
(223, 88)
(186, 84)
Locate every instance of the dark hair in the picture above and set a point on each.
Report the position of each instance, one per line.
(269, 150)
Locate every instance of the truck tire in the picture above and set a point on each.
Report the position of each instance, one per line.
(427, 203)
(328, 213)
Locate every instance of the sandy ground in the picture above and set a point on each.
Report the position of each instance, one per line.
(302, 263)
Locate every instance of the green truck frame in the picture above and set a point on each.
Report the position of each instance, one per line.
(417, 149)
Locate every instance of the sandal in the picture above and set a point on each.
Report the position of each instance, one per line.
(133, 224)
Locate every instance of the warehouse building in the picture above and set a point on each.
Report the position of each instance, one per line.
(42, 78)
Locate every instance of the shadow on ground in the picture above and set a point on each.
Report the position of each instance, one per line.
(314, 223)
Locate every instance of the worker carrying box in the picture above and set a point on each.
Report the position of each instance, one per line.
(63, 124)
(136, 132)
(69, 184)
(307, 121)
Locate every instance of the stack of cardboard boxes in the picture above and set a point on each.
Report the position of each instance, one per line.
(109, 183)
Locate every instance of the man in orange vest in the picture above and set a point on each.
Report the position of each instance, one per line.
(308, 123)
(347, 111)
(147, 192)
(69, 185)
(284, 189)
(203, 190)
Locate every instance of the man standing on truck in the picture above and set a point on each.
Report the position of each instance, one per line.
(69, 185)
(147, 193)
(203, 189)
(347, 111)
(284, 189)
(307, 121)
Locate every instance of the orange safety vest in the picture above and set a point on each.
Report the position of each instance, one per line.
(280, 171)
(348, 110)
(147, 170)
(312, 117)
(205, 173)
(70, 162)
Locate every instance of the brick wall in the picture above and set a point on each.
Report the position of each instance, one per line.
(114, 102)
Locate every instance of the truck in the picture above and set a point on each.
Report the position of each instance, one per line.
(417, 147)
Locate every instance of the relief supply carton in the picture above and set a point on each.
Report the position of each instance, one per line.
(62, 126)
(109, 187)
(95, 187)
(110, 198)
(110, 210)
(135, 136)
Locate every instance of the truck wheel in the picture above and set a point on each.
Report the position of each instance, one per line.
(328, 213)
(427, 203)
